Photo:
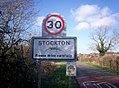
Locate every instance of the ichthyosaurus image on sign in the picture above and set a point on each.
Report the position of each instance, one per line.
(54, 48)
(71, 69)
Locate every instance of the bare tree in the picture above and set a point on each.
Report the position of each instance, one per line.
(16, 16)
(105, 39)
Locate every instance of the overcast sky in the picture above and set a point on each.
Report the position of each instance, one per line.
(81, 16)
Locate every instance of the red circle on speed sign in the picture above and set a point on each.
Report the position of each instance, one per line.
(54, 24)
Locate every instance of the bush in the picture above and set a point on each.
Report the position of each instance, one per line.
(18, 74)
(108, 60)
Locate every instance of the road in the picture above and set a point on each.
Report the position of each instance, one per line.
(92, 77)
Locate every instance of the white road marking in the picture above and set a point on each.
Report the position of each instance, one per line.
(98, 84)
(113, 85)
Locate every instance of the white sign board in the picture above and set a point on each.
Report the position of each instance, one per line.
(54, 48)
(71, 69)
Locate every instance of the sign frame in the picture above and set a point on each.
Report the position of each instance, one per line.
(50, 59)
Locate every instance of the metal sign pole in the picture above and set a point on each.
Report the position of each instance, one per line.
(70, 82)
(70, 72)
(39, 74)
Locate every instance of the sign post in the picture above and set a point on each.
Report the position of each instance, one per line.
(70, 71)
(39, 74)
(53, 45)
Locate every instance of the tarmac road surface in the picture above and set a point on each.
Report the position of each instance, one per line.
(92, 77)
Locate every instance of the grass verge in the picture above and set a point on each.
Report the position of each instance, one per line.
(116, 72)
(57, 78)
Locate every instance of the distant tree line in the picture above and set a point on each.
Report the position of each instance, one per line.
(109, 60)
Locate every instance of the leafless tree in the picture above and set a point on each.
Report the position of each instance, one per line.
(105, 39)
(16, 16)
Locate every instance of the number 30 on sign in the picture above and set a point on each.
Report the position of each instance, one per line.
(54, 24)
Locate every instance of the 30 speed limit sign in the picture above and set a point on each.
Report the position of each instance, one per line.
(54, 24)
